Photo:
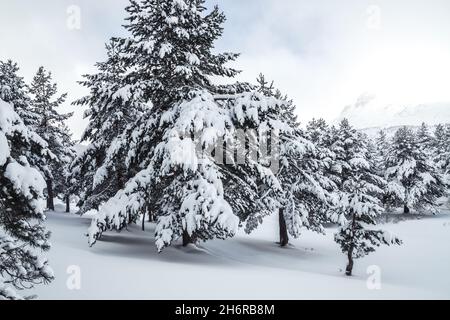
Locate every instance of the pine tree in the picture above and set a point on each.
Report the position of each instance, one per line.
(360, 189)
(180, 35)
(445, 164)
(424, 138)
(382, 146)
(22, 234)
(114, 102)
(440, 147)
(52, 128)
(305, 195)
(317, 131)
(381, 152)
(414, 181)
(187, 168)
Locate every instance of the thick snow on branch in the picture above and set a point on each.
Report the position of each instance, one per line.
(182, 162)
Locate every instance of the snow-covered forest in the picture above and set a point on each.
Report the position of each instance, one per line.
(177, 170)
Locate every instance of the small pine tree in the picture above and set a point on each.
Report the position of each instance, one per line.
(22, 234)
(414, 180)
(441, 149)
(317, 130)
(360, 189)
(424, 138)
(52, 128)
(381, 153)
(382, 146)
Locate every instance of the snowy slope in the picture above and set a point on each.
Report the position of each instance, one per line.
(369, 111)
(126, 265)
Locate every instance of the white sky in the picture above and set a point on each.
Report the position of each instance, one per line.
(323, 53)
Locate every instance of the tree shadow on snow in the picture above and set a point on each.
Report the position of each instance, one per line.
(141, 246)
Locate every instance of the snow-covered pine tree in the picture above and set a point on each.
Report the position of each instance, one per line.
(22, 233)
(179, 34)
(195, 195)
(446, 157)
(176, 151)
(14, 90)
(114, 102)
(382, 145)
(360, 189)
(424, 138)
(414, 181)
(64, 187)
(52, 128)
(440, 147)
(322, 135)
(317, 132)
(305, 196)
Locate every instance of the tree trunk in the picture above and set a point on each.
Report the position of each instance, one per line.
(187, 239)
(68, 203)
(143, 221)
(284, 238)
(406, 209)
(50, 203)
(151, 217)
(349, 269)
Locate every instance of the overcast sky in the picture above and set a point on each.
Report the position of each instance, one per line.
(323, 53)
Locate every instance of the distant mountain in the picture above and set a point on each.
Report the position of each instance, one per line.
(390, 131)
(369, 112)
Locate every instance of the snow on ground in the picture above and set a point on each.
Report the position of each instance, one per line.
(126, 265)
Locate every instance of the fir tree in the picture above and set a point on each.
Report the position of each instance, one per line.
(441, 149)
(114, 102)
(424, 138)
(305, 195)
(382, 146)
(317, 131)
(22, 234)
(181, 36)
(52, 128)
(360, 189)
(414, 181)
(194, 194)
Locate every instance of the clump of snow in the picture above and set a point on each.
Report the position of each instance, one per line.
(193, 58)
(4, 149)
(28, 181)
(166, 48)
